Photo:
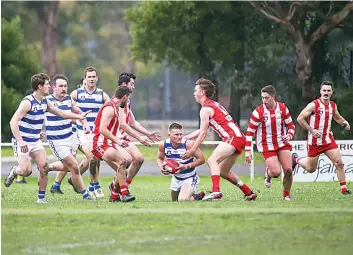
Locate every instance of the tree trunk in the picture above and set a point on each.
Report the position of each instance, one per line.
(47, 18)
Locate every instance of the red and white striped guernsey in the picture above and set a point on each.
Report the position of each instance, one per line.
(321, 120)
(269, 127)
(127, 111)
(113, 127)
(222, 122)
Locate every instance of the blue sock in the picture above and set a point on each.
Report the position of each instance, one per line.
(84, 193)
(41, 194)
(56, 185)
(91, 186)
(96, 185)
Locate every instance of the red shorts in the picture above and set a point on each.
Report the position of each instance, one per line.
(316, 150)
(237, 143)
(99, 151)
(270, 154)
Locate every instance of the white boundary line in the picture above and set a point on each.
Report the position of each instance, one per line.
(220, 210)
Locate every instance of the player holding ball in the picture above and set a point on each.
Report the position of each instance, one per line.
(185, 179)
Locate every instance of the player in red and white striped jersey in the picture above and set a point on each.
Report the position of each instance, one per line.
(320, 113)
(233, 140)
(273, 126)
(107, 146)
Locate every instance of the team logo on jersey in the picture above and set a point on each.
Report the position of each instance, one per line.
(56, 104)
(168, 152)
(81, 97)
(265, 117)
(321, 111)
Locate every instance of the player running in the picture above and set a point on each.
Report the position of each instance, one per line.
(273, 126)
(233, 140)
(320, 113)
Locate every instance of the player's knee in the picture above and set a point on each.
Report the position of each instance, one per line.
(275, 173)
(27, 172)
(339, 164)
(139, 160)
(288, 171)
(311, 169)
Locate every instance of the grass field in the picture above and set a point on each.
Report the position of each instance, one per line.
(319, 221)
(150, 153)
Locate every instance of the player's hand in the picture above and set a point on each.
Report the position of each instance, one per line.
(23, 146)
(86, 129)
(248, 157)
(144, 140)
(181, 168)
(286, 138)
(42, 136)
(165, 172)
(346, 126)
(122, 143)
(188, 154)
(316, 133)
(154, 136)
(83, 116)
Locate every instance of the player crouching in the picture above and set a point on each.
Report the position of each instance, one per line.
(185, 180)
(108, 147)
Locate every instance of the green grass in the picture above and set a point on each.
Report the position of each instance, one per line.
(319, 221)
(150, 153)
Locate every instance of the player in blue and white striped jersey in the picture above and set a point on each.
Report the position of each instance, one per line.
(90, 98)
(60, 137)
(185, 182)
(26, 125)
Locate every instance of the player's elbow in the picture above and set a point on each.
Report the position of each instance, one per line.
(300, 119)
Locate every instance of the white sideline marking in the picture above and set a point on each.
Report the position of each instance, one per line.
(49, 249)
(81, 211)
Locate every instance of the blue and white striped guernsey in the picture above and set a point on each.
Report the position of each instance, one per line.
(31, 124)
(86, 102)
(57, 128)
(176, 153)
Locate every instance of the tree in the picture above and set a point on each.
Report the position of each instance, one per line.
(307, 24)
(18, 63)
(47, 13)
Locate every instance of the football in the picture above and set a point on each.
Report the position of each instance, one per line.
(171, 165)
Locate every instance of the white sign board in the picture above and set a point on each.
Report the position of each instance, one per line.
(325, 171)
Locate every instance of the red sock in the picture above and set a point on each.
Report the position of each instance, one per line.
(245, 188)
(123, 189)
(215, 183)
(343, 187)
(115, 194)
(286, 193)
(128, 181)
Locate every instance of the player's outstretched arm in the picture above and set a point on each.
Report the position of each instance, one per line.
(205, 114)
(66, 115)
(160, 158)
(340, 120)
(199, 158)
(193, 135)
(24, 107)
(133, 123)
(77, 110)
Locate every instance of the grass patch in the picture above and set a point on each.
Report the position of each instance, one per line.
(318, 221)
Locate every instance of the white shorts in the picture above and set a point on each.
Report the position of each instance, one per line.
(32, 147)
(63, 149)
(176, 184)
(85, 138)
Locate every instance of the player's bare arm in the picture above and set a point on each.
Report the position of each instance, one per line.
(305, 113)
(133, 123)
(340, 120)
(205, 114)
(73, 95)
(106, 98)
(66, 115)
(199, 158)
(107, 115)
(24, 107)
(254, 122)
(192, 135)
(126, 128)
(160, 158)
(290, 127)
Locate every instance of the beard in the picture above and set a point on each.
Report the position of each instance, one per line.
(123, 104)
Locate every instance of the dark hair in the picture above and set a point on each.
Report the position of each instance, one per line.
(90, 69)
(174, 125)
(120, 92)
(269, 89)
(207, 86)
(39, 79)
(122, 79)
(81, 80)
(28, 92)
(327, 83)
(60, 76)
(131, 75)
